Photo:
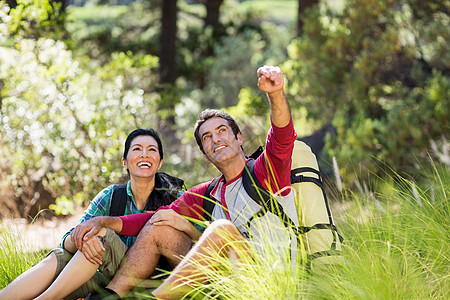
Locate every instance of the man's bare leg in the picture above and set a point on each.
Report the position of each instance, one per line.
(142, 258)
(221, 239)
(32, 282)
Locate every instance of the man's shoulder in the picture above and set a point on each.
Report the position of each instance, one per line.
(199, 189)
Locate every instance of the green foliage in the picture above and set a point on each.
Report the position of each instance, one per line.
(255, 105)
(281, 12)
(67, 206)
(37, 18)
(98, 31)
(377, 69)
(258, 42)
(64, 127)
(380, 72)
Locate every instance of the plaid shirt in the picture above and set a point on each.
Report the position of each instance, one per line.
(101, 205)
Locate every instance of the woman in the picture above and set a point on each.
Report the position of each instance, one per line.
(65, 270)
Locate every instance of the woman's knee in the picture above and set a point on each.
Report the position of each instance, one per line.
(50, 258)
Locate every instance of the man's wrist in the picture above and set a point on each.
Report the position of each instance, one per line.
(276, 94)
(114, 223)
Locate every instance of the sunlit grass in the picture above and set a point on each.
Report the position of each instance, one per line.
(99, 13)
(396, 247)
(282, 12)
(15, 256)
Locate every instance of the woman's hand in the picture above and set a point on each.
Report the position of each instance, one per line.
(93, 250)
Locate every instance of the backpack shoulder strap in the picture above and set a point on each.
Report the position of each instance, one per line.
(119, 201)
(263, 197)
(252, 186)
(208, 203)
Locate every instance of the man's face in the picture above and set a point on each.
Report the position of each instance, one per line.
(219, 142)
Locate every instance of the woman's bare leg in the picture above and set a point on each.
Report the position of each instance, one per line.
(77, 272)
(32, 282)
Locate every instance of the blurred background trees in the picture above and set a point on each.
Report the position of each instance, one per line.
(77, 76)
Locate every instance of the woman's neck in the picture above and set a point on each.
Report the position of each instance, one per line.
(141, 188)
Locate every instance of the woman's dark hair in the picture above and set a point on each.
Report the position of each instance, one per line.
(213, 113)
(139, 132)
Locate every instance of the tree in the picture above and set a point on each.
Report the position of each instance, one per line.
(167, 68)
(61, 135)
(168, 73)
(62, 5)
(302, 6)
(213, 14)
(11, 3)
(211, 21)
(39, 18)
(380, 73)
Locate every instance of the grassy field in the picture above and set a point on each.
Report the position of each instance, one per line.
(396, 247)
(281, 12)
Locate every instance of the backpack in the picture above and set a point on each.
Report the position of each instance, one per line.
(318, 237)
(119, 201)
(169, 187)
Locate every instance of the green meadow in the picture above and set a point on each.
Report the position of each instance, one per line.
(396, 246)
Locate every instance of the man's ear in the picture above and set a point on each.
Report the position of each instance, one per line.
(124, 163)
(240, 138)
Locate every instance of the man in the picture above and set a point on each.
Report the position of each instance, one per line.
(220, 140)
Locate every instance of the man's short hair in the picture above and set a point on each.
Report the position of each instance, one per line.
(213, 113)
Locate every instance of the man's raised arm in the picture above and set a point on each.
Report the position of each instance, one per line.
(271, 81)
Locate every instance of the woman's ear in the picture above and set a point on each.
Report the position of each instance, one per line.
(124, 163)
(160, 164)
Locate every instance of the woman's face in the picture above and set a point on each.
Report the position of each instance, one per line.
(143, 159)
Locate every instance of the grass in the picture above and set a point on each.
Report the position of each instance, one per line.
(15, 256)
(396, 247)
(100, 13)
(280, 12)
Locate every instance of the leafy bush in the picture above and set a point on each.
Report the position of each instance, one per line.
(379, 71)
(61, 132)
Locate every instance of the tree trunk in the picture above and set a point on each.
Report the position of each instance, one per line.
(63, 7)
(167, 68)
(302, 5)
(11, 3)
(212, 19)
(212, 12)
(167, 71)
